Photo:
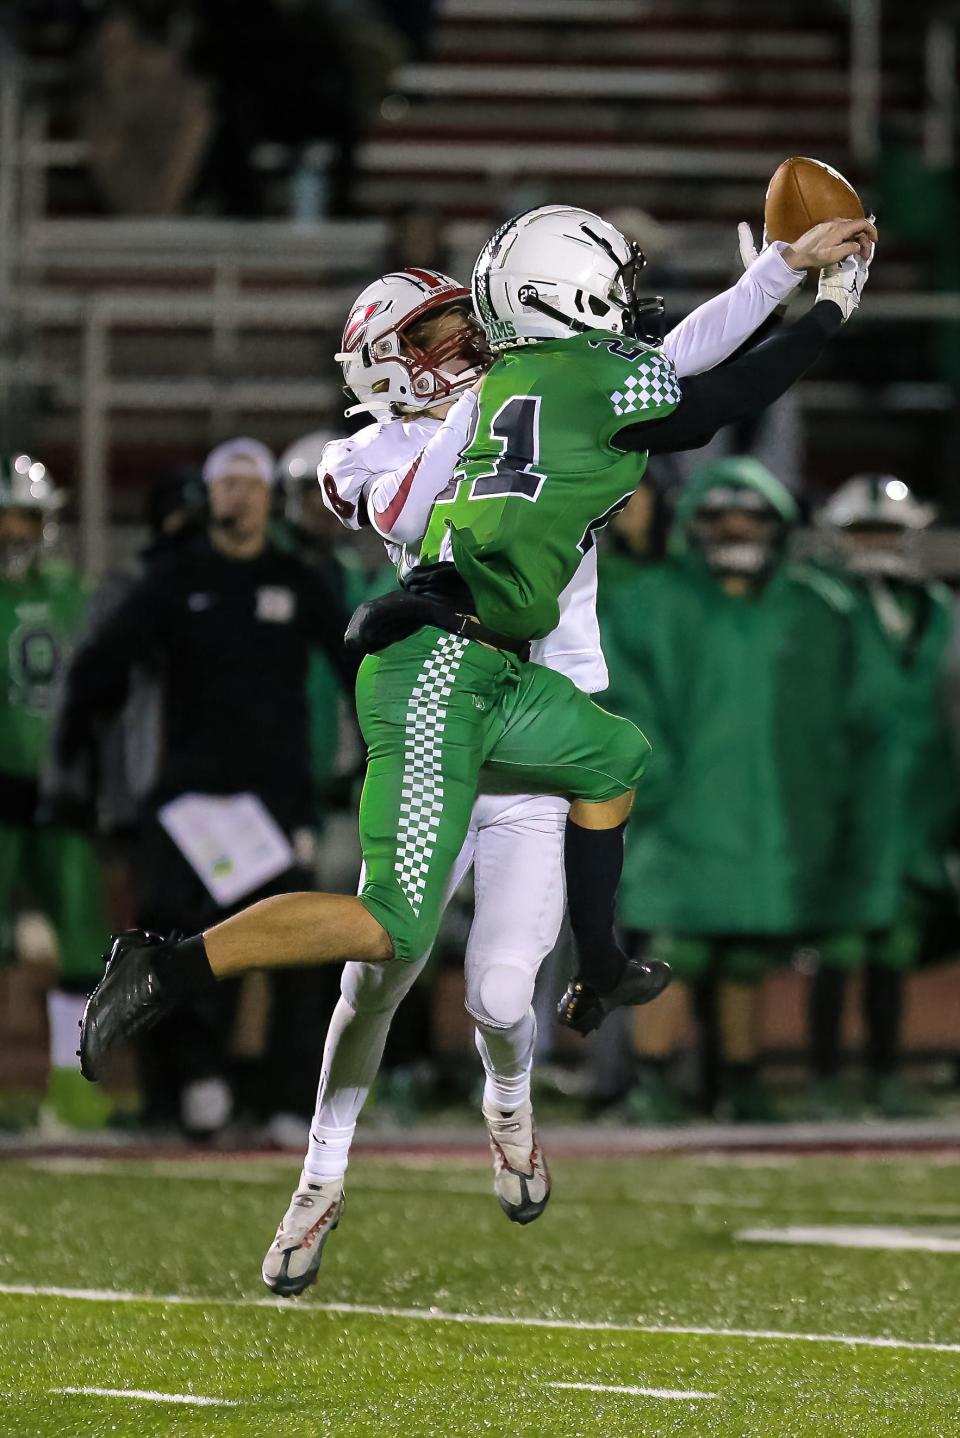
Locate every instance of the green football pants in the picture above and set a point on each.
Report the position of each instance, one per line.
(435, 709)
(57, 872)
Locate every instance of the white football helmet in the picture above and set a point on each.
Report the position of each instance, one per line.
(875, 501)
(557, 271)
(386, 370)
(875, 519)
(298, 470)
(27, 488)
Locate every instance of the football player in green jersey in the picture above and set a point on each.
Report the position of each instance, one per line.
(567, 417)
(42, 607)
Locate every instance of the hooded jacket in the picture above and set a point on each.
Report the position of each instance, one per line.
(746, 821)
(914, 800)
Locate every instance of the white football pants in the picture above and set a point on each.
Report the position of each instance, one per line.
(515, 845)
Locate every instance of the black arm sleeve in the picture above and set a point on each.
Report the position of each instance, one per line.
(738, 389)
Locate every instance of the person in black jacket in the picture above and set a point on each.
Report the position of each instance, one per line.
(227, 621)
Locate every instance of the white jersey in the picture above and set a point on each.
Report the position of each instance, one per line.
(390, 473)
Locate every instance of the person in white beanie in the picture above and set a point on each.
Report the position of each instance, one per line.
(227, 621)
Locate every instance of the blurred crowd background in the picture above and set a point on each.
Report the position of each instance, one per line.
(190, 197)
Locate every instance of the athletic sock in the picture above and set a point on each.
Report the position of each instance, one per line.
(827, 992)
(652, 1073)
(186, 973)
(593, 862)
(741, 1075)
(328, 1153)
(352, 1055)
(507, 1058)
(883, 1008)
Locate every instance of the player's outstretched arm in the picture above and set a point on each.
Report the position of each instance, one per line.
(716, 330)
(749, 384)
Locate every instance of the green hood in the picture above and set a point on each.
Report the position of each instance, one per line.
(740, 471)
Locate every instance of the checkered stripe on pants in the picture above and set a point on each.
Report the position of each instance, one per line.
(421, 793)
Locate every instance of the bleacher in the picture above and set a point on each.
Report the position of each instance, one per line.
(132, 343)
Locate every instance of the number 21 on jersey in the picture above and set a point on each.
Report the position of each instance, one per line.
(516, 428)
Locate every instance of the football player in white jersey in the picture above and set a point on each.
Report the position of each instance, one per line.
(412, 354)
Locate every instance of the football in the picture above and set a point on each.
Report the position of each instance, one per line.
(802, 193)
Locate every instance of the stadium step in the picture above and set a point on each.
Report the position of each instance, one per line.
(609, 103)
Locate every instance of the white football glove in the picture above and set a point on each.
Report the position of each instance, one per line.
(843, 282)
(748, 247)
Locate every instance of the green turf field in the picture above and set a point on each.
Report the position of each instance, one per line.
(627, 1251)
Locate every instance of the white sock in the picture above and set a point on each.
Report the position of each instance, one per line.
(507, 1058)
(64, 1012)
(351, 1058)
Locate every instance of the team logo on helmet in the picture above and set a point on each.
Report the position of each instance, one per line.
(356, 326)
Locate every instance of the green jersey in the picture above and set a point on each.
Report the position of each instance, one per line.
(542, 473)
(40, 616)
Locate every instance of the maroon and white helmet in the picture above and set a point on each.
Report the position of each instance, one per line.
(384, 368)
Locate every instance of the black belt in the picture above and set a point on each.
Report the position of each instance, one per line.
(471, 628)
(396, 616)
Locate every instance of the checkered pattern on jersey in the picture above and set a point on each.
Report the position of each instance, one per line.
(653, 384)
(421, 793)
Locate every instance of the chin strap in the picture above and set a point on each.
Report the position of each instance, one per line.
(528, 295)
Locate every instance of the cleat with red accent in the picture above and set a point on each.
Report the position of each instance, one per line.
(293, 1258)
(521, 1179)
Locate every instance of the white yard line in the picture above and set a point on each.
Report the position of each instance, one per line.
(147, 1395)
(482, 1320)
(891, 1240)
(462, 1186)
(635, 1392)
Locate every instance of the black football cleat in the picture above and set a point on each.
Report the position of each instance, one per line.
(126, 1001)
(583, 1009)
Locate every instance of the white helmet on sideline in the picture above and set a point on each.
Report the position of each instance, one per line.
(298, 470)
(875, 520)
(384, 368)
(26, 487)
(557, 271)
(875, 501)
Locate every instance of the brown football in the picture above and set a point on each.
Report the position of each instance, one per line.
(803, 192)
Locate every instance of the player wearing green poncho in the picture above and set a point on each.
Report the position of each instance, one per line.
(444, 691)
(909, 803)
(42, 607)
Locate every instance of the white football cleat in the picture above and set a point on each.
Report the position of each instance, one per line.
(521, 1179)
(293, 1258)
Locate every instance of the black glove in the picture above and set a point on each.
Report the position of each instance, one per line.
(386, 620)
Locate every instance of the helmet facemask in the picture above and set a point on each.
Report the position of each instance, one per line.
(431, 380)
(23, 535)
(744, 555)
(879, 551)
